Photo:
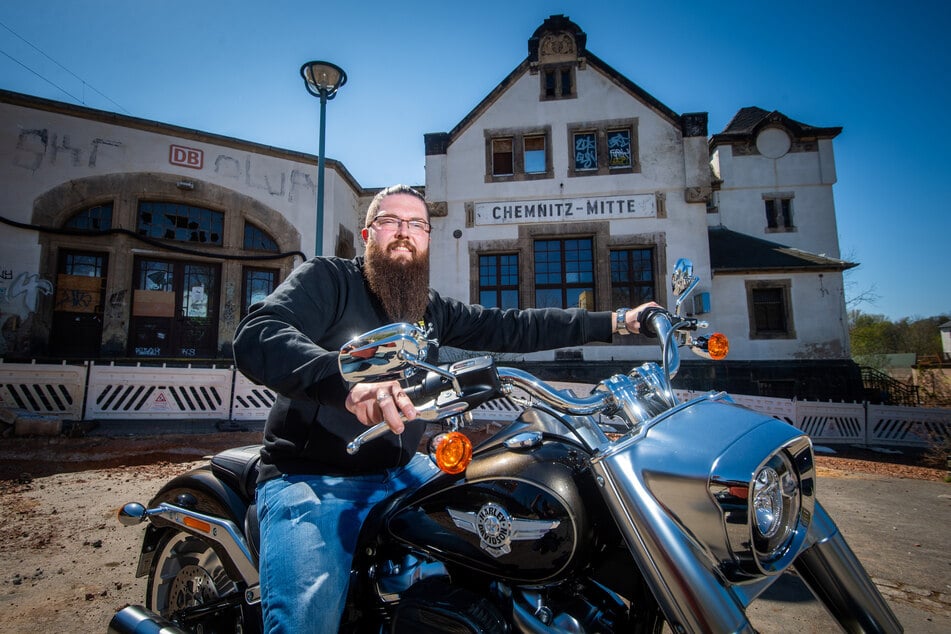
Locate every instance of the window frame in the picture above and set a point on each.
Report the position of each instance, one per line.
(257, 233)
(545, 152)
(246, 271)
(601, 130)
(496, 154)
(498, 287)
(559, 73)
(782, 199)
(629, 285)
(758, 330)
(517, 137)
(100, 214)
(163, 206)
(563, 284)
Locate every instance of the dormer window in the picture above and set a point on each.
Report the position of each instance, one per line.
(556, 61)
(558, 82)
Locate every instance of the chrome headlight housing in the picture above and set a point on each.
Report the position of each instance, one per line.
(774, 506)
(767, 511)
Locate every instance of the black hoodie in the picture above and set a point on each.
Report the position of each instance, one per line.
(289, 343)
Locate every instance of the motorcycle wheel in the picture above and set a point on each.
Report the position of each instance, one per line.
(187, 573)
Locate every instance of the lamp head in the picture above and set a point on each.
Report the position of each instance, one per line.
(323, 79)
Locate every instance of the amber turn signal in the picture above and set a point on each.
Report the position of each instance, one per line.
(718, 346)
(452, 451)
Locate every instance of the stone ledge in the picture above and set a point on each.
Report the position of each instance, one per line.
(26, 423)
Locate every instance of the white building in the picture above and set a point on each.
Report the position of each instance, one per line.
(568, 185)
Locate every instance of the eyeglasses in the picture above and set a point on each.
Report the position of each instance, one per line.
(392, 224)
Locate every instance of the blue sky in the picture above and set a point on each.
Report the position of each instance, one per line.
(878, 69)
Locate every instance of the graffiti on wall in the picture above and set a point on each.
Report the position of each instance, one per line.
(256, 175)
(34, 147)
(39, 147)
(19, 294)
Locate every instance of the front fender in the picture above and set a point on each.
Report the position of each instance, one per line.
(681, 491)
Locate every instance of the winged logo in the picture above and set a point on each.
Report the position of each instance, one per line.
(497, 529)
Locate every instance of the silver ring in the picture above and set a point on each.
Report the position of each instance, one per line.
(382, 395)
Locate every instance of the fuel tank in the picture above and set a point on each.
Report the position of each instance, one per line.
(515, 513)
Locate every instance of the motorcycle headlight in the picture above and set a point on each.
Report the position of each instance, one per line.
(774, 506)
(766, 515)
(767, 502)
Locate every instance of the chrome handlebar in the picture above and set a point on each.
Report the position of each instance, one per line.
(637, 396)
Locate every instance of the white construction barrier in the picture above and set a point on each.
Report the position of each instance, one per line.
(251, 400)
(44, 388)
(129, 392)
(111, 392)
(832, 422)
(909, 426)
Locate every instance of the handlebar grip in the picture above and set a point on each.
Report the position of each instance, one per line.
(431, 385)
(647, 320)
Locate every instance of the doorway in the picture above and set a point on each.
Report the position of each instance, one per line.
(174, 309)
(77, 313)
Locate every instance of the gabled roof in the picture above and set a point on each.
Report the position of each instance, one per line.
(732, 252)
(747, 123)
(555, 23)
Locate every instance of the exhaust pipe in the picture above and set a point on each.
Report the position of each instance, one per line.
(135, 619)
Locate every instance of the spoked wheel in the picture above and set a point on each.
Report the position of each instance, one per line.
(188, 575)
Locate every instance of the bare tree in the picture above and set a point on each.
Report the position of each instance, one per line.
(854, 296)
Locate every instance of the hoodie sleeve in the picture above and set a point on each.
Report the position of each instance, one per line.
(476, 328)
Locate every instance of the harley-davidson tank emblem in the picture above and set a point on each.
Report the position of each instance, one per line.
(497, 529)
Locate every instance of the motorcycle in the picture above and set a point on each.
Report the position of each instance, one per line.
(616, 511)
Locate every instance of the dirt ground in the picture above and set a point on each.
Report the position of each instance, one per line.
(67, 565)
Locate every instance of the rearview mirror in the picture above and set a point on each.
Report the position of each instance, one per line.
(682, 276)
(682, 282)
(383, 354)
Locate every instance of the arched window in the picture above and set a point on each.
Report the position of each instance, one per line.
(183, 223)
(98, 218)
(256, 239)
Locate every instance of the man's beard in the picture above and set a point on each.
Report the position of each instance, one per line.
(402, 286)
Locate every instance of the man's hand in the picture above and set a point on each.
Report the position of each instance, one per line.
(373, 403)
(632, 320)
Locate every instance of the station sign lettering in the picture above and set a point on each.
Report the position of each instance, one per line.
(566, 209)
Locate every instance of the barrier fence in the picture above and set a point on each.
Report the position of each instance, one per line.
(110, 392)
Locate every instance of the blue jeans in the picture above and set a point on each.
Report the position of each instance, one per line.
(309, 529)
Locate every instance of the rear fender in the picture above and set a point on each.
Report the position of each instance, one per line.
(197, 490)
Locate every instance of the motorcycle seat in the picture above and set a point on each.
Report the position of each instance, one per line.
(238, 468)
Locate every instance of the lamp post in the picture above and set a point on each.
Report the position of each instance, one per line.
(322, 80)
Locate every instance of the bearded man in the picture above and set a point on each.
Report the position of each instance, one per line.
(312, 496)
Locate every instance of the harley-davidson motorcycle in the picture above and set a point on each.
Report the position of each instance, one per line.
(614, 511)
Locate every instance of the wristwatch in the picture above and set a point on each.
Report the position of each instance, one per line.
(620, 315)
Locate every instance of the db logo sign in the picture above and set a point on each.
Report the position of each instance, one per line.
(186, 156)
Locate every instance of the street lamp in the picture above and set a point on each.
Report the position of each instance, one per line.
(322, 79)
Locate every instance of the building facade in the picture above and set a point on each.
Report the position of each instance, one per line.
(567, 185)
(129, 238)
